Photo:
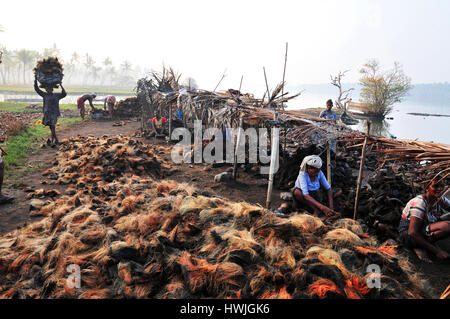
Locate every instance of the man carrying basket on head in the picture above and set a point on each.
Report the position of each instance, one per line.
(51, 108)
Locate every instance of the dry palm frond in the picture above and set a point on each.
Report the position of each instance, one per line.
(446, 293)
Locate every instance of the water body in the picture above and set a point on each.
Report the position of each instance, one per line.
(402, 125)
(70, 98)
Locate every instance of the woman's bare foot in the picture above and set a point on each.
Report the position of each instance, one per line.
(422, 255)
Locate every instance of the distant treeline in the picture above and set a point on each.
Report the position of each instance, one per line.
(435, 93)
(17, 69)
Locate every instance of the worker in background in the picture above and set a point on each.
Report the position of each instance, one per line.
(82, 99)
(328, 114)
(110, 100)
(3, 198)
(422, 222)
(158, 125)
(50, 109)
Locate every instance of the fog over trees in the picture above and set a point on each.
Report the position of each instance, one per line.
(80, 69)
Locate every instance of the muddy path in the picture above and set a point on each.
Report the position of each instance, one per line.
(247, 188)
(17, 214)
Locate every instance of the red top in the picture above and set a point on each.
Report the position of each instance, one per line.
(159, 123)
(110, 99)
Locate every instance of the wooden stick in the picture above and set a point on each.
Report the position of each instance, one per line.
(240, 85)
(219, 81)
(282, 104)
(284, 73)
(267, 86)
(170, 119)
(363, 155)
(328, 163)
(238, 140)
(273, 158)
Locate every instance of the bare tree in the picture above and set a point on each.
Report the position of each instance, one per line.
(343, 94)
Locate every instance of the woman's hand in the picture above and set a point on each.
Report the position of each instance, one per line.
(327, 211)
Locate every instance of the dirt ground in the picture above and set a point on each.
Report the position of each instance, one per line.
(247, 187)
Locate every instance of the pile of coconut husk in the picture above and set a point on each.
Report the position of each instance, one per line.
(133, 235)
(14, 123)
(49, 72)
(85, 160)
(163, 240)
(127, 108)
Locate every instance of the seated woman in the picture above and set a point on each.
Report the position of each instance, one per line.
(307, 187)
(421, 224)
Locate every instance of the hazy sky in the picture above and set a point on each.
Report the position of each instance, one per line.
(202, 39)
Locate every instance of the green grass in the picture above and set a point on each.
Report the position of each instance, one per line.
(21, 107)
(20, 146)
(69, 89)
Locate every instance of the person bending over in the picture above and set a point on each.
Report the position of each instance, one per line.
(82, 99)
(110, 100)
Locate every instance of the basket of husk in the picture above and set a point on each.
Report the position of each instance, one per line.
(49, 72)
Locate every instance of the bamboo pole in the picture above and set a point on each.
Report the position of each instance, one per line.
(284, 73)
(267, 85)
(328, 163)
(219, 81)
(282, 105)
(238, 140)
(273, 158)
(363, 155)
(170, 119)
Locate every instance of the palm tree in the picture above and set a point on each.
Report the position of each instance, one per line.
(88, 64)
(95, 73)
(106, 63)
(26, 57)
(9, 63)
(52, 51)
(71, 66)
(125, 67)
(111, 71)
(1, 51)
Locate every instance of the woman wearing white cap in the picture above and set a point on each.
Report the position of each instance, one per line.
(307, 186)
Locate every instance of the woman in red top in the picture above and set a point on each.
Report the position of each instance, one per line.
(110, 100)
(158, 124)
(82, 99)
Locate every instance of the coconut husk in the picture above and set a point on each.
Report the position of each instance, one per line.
(49, 72)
